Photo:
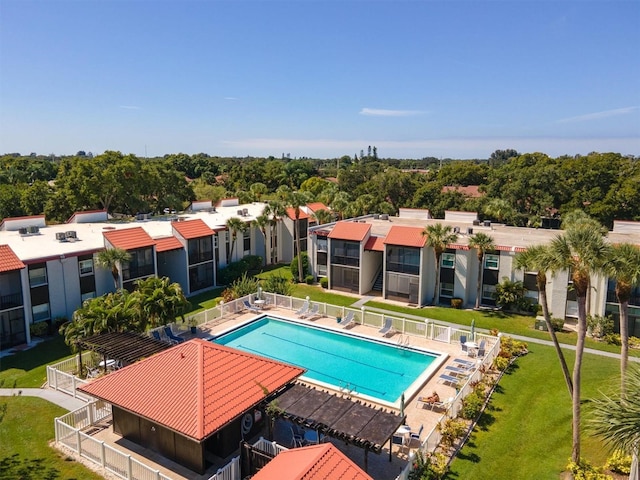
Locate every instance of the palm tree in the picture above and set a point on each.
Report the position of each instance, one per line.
(340, 203)
(295, 200)
(112, 259)
(482, 243)
(616, 419)
(276, 211)
(438, 237)
(581, 250)
(323, 216)
(262, 222)
(623, 265)
(234, 225)
(161, 302)
(537, 258)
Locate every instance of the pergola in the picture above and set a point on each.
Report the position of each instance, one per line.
(128, 347)
(354, 422)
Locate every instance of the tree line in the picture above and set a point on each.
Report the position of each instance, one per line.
(514, 188)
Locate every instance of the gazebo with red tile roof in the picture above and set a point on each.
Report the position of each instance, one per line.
(192, 400)
(316, 462)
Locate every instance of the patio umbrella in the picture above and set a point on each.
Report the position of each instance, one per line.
(402, 405)
(473, 329)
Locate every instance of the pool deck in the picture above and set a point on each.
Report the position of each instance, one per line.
(379, 466)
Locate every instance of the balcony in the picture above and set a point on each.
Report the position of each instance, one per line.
(10, 301)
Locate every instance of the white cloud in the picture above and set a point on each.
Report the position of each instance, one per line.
(380, 112)
(230, 98)
(129, 107)
(598, 115)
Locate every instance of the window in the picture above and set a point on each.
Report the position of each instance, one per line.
(345, 253)
(446, 289)
(321, 260)
(246, 241)
(403, 260)
(491, 262)
(488, 291)
(200, 250)
(140, 265)
(322, 244)
(88, 296)
(86, 267)
(448, 260)
(37, 276)
(41, 312)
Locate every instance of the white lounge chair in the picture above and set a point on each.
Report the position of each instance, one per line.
(303, 309)
(444, 378)
(387, 327)
(347, 320)
(312, 312)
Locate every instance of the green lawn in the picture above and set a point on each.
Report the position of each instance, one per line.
(26, 428)
(526, 431)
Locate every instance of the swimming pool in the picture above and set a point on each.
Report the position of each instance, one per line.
(376, 370)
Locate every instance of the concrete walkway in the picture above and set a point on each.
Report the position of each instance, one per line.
(517, 337)
(61, 399)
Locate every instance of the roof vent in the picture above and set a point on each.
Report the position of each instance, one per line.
(384, 216)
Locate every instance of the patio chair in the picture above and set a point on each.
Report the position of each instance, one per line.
(312, 312)
(445, 405)
(463, 372)
(444, 378)
(296, 438)
(303, 309)
(347, 320)
(416, 436)
(481, 349)
(251, 308)
(463, 341)
(467, 363)
(387, 327)
(156, 335)
(399, 440)
(171, 336)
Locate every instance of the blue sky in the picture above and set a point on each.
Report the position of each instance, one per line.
(320, 78)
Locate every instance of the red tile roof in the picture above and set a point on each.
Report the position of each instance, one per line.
(192, 229)
(375, 243)
(9, 261)
(316, 462)
(405, 236)
(197, 387)
(165, 244)
(315, 206)
(129, 238)
(458, 246)
(350, 231)
(471, 191)
(291, 213)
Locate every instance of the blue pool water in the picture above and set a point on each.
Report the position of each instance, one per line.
(371, 368)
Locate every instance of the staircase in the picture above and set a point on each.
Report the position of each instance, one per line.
(377, 285)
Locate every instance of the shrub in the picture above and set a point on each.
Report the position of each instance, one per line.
(39, 329)
(471, 405)
(324, 282)
(500, 363)
(557, 324)
(509, 294)
(253, 262)
(613, 339)
(451, 430)
(232, 272)
(277, 284)
(305, 266)
(456, 302)
(431, 466)
(244, 286)
(309, 280)
(585, 471)
(510, 348)
(599, 326)
(634, 342)
(619, 462)
(228, 294)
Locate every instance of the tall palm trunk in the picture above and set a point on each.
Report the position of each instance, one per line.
(623, 292)
(542, 290)
(296, 234)
(480, 269)
(577, 369)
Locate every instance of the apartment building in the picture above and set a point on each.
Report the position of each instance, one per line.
(387, 256)
(47, 271)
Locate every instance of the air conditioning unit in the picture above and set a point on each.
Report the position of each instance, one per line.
(61, 236)
(245, 212)
(239, 213)
(71, 235)
(469, 231)
(456, 229)
(33, 230)
(22, 231)
(487, 223)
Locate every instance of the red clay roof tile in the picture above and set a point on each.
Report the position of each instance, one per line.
(165, 244)
(9, 261)
(317, 462)
(350, 231)
(315, 206)
(129, 238)
(405, 236)
(291, 213)
(375, 243)
(192, 229)
(197, 387)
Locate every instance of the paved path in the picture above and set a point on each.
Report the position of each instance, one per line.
(517, 337)
(62, 399)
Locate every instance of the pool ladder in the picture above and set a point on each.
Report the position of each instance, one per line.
(403, 341)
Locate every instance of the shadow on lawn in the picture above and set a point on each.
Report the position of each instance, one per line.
(49, 351)
(27, 468)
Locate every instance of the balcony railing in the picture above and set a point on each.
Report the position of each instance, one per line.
(10, 301)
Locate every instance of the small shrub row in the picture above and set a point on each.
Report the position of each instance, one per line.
(432, 466)
(233, 271)
(585, 471)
